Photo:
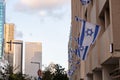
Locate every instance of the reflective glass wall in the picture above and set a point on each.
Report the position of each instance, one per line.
(2, 21)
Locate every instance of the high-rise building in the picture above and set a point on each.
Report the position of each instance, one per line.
(103, 59)
(2, 21)
(33, 58)
(8, 36)
(13, 49)
(17, 56)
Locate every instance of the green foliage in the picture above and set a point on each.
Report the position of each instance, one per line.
(18, 76)
(56, 73)
(9, 75)
(47, 75)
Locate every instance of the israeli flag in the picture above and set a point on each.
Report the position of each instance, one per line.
(70, 72)
(84, 2)
(83, 51)
(76, 39)
(77, 52)
(88, 36)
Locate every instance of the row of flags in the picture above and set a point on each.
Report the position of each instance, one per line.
(73, 62)
(88, 35)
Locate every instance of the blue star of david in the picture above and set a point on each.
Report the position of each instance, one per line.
(89, 32)
(81, 48)
(85, 2)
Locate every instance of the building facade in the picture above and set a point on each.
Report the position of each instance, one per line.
(8, 36)
(17, 56)
(103, 60)
(33, 58)
(2, 21)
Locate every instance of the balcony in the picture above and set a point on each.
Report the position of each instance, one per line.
(115, 74)
(106, 56)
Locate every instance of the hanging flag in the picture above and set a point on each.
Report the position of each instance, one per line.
(88, 36)
(76, 39)
(83, 51)
(70, 55)
(77, 52)
(84, 2)
(78, 62)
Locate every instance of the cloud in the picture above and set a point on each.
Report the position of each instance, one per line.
(44, 8)
(40, 4)
(43, 4)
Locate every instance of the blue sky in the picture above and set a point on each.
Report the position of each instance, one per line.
(46, 21)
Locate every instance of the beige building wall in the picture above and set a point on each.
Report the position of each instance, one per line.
(8, 36)
(33, 53)
(75, 28)
(17, 56)
(103, 59)
(12, 48)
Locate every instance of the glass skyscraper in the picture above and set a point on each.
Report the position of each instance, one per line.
(2, 21)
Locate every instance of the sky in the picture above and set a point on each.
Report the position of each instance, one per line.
(45, 21)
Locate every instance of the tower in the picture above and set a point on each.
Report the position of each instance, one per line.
(2, 21)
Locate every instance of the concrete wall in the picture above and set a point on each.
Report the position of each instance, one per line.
(115, 16)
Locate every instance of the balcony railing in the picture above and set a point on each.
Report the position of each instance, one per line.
(115, 73)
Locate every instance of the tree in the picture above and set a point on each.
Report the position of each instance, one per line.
(47, 75)
(9, 75)
(54, 72)
(60, 73)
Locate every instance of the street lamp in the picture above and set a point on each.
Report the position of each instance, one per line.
(11, 42)
(36, 63)
(39, 72)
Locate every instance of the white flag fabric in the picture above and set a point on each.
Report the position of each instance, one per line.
(88, 36)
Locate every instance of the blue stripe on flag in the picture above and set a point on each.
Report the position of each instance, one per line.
(78, 53)
(83, 33)
(85, 53)
(78, 40)
(96, 33)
